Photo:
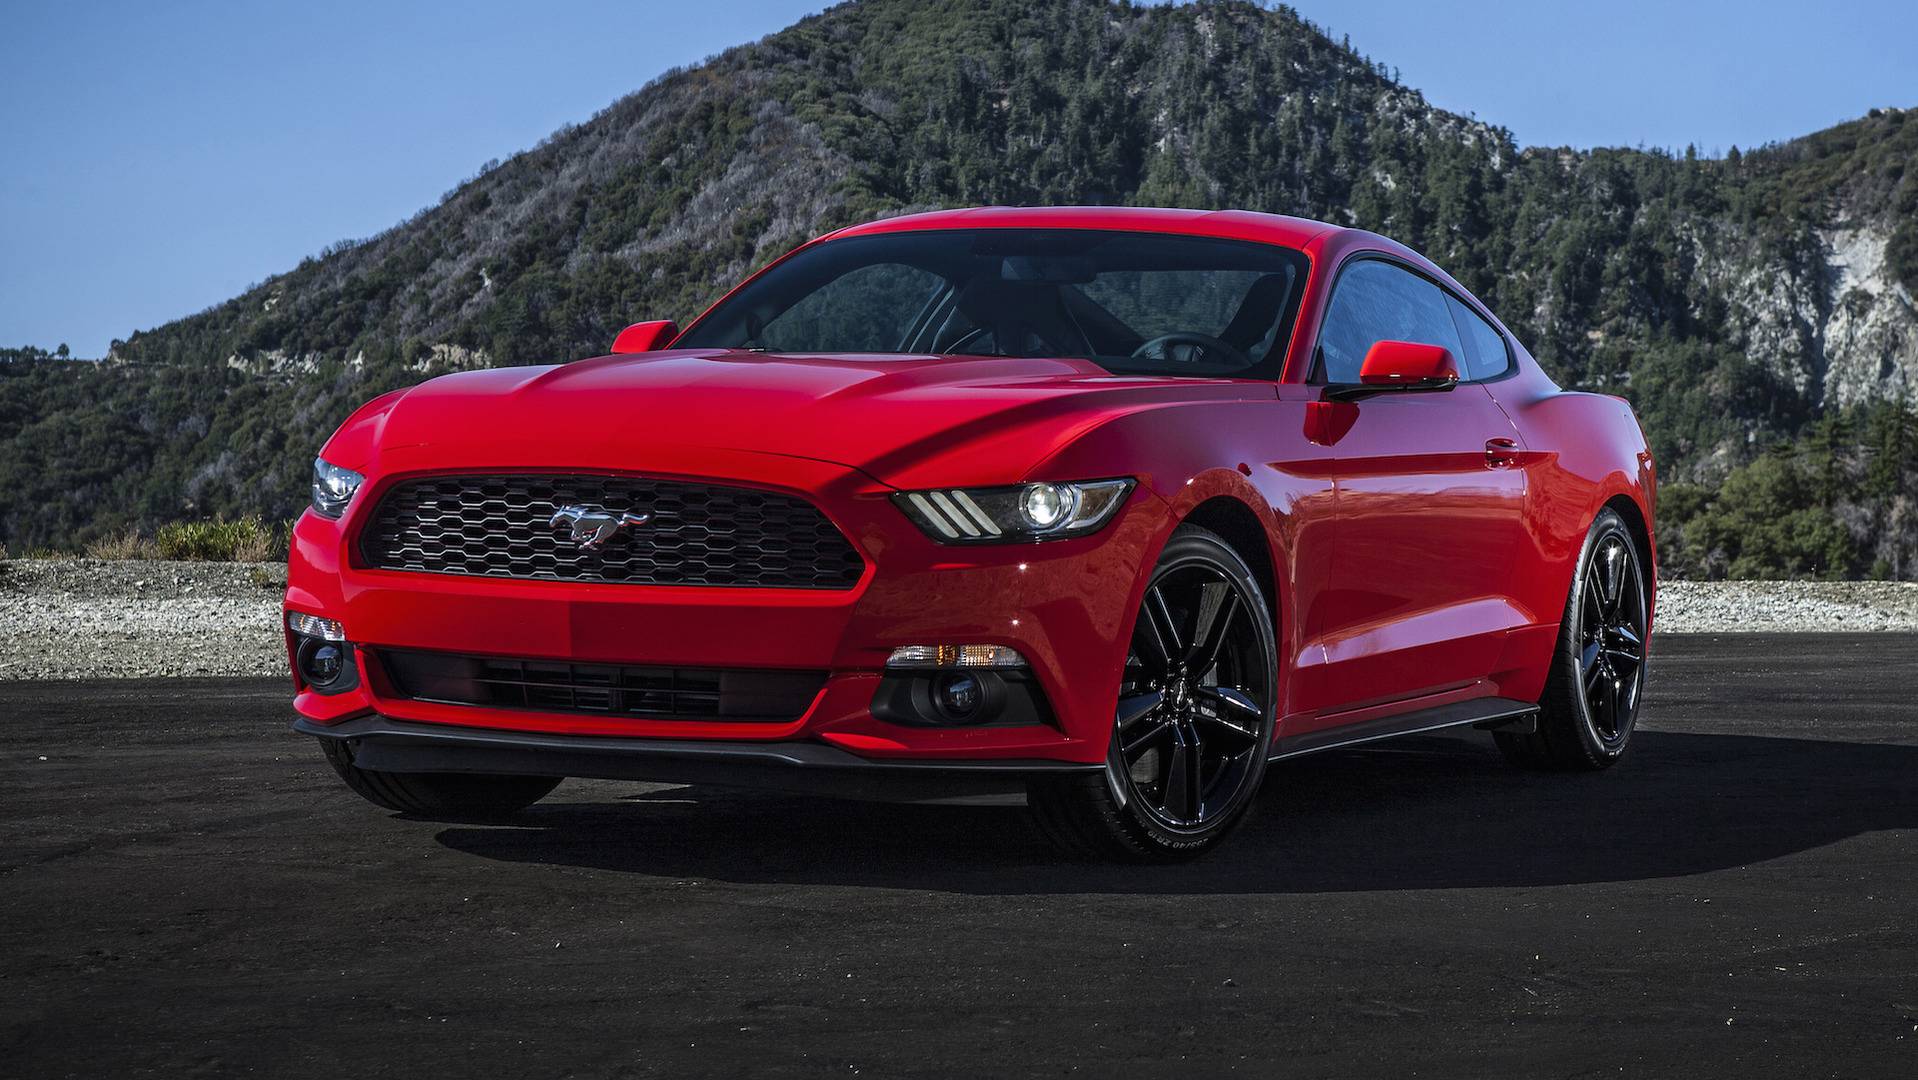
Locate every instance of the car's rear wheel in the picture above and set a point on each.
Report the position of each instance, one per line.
(1590, 706)
(462, 796)
(1194, 721)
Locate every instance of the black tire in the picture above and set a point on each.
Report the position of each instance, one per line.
(1590, 705)
(457, 796)
(1196, 710)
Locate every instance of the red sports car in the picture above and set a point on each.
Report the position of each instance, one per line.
(1108, 508)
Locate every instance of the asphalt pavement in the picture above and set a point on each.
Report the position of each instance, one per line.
(185, 889)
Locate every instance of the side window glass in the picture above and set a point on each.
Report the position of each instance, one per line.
(1489, 357)
(1376, 301)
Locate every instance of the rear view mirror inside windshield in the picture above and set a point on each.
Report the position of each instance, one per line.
(1053, 269)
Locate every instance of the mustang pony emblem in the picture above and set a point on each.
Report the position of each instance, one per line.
(591, 528)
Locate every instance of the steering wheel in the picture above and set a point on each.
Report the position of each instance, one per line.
(1185, 347)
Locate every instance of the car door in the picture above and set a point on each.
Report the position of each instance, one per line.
(1428, 517)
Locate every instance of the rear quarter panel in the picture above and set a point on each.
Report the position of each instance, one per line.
(1582, 451)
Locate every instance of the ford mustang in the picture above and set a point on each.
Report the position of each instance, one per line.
(1105, 508)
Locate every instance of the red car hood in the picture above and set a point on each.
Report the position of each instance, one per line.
(905, 420)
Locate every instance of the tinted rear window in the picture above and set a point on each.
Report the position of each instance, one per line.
(1486, 354)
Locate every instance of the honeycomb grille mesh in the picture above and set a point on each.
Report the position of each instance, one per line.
(698, 534)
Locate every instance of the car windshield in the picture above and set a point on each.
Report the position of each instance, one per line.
(1133, 303)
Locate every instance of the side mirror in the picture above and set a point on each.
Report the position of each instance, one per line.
(1400, 367)
(645, 336)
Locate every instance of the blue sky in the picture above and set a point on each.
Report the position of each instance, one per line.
(161, 157)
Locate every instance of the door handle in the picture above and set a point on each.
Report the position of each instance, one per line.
(1500, 452)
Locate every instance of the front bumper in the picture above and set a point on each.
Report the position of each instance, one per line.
(803, 767)
(1065, 605)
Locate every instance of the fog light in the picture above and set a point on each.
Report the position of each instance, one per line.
(955, 656)
(321, 663)
(314, 627)
(959, 697)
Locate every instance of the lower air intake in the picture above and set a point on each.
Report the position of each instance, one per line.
(653, 693)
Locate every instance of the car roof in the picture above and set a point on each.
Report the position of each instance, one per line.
(1225, 224)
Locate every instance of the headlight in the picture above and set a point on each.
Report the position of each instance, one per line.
(1001, 515)
(333, 487)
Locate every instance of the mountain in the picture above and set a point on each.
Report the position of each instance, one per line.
(1757, 309)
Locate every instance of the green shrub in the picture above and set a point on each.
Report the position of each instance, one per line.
(127, 544)
(246, 539)
(1768, 521)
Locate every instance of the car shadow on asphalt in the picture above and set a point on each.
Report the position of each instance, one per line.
(1425, 813)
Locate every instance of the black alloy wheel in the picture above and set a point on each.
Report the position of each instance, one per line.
(1597, 680)
(1192, 711)
(1612, 622)
(1193, 726)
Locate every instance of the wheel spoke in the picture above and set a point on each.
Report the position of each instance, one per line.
(1593, 617)
(1195, 776)
(1141, 737)
(1157, 633)
(1617, 699)
(1588, 662)
(1590, 672)
(1136, 707)
(1218, 604)
(1237, 721)
(1624, 661)
(1628, 699)
(1613, 582)
(1607, 704)
(1237, 700)
(1180, 792)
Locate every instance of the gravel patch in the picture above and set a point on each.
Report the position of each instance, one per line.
(90, 618)
(1725, 607)
(93, 618)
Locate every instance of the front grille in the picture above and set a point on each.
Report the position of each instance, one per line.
(698, 534)
(658, 693)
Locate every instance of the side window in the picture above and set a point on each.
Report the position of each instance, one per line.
(1488, 357)
(1377, 301)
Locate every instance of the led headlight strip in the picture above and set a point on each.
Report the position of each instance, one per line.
(1026, 512)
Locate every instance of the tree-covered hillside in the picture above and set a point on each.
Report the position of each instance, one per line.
(1760, 300)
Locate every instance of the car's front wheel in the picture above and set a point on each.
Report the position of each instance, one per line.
(1193, 727)
(461, 796)
(1590, 706)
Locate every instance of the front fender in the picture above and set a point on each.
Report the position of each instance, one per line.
(1252, 454)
